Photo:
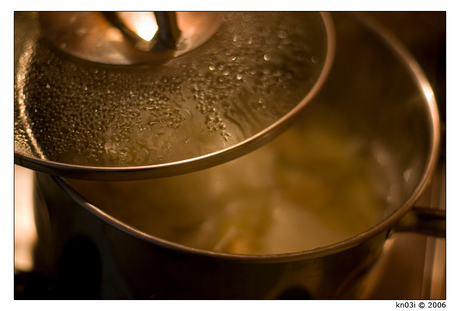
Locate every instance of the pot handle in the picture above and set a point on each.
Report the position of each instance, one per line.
(430, 221)
(424, 220)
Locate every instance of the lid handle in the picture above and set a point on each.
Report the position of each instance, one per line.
(168, 34)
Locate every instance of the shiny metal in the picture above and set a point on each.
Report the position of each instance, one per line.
(223, 99)
(424, 220)
(126, 38)
(385, 97)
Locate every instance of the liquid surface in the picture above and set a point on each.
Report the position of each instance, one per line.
(310, 187)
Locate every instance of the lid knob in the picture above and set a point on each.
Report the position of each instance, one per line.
(125, 38)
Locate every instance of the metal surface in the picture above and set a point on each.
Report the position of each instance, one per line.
(127, 38)
(225, 98)
(396, 93)
(391, 277)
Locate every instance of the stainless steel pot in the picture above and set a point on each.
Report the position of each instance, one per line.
(385, 98)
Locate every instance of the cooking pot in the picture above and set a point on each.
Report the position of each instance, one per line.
(377, 92)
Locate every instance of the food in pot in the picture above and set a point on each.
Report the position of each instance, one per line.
(313, 186)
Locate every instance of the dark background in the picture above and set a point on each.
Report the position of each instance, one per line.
(424, 35)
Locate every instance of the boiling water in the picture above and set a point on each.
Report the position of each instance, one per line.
(313, 186)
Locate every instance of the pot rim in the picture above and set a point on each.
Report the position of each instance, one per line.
(385, 225)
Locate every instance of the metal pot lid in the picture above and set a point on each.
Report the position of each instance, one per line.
(208, 98)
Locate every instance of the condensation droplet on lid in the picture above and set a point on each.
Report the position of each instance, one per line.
(267, 57)
(314, 59)
(246, 17)
(81, 31)
(239, 76)
(282, 34)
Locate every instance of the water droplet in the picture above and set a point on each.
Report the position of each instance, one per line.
(314, 59)
(239, 76)
(246, 17)
(267, 57)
